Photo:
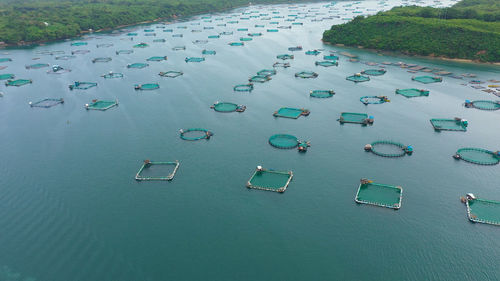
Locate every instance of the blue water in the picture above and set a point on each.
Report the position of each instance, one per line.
(71, 209)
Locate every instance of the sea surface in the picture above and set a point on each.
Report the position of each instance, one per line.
(71, 210)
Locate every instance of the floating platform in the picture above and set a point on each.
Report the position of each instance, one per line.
(483, 104)
(306, 74)
(137, 65)
(381, 195)
(366, 100)
(358, 78)
(481, 210)
(456, 124)
(427, 79)
(288, 112)
(171, 74)
(147, 86)
(194, 134)
(47, 103)
(478, 156)
(355, 118)
(389, 149)
(412, 93)
(149, 170)
(18, 82)
(228, 107)
(243, 88)
(270, 180)
(374, 72)
(101, 105)
(321, 93)
(82, 85)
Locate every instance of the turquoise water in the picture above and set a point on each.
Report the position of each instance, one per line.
(71, 209)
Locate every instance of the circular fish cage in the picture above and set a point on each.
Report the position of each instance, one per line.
(243, 88)
(478, 156)
(374, 72)
(283, 141)
(389, 149)
(228, 107)
(194, 134)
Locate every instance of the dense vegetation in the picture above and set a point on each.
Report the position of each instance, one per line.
(468, 30)
(24, 21)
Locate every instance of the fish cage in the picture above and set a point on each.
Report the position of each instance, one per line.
(427, 79)
(242, 29)
(281, 64)
(366, 100)
(82, 85)
(141, 45)
(321, 93)
(228, 107)
(326, 63)
(200, 42)
(56, 69)
(194, 134)
(67, 57)
(313, 52)
(124, 52)
(179, 48)
(478, 156)
(157, 171)
(483, 104)
(137, 65)
(104, 45)
(171, 74)
(330, 57)
(295, 49)
(157, 58)
(177, 35)
(159, 40)
(284, 141)
(306, 74)
(272, 30)
(150, 34)
(101, 105)
(357, 78)
(270, 180)
(381, 195)
(37, 66)
(7, 76)
(147, 86)
(194, 59)
(236, 44)
(208, 52)
(293, 113)
(104, 59)
(79, 43)
(226, 33)
(456, 124)
(213, 36)
(132, 34)
(243, 88)
(482, 210)
(356, 118)
(245, 39)
(285, 57)
(374, 72)
(389, 149)
(47, 103)
(111, 75)
(412, 93)
(255, 34)
(18, 82)
(266, 72)
(259, 78)
(5, 60)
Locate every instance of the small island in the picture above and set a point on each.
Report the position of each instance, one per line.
(468, 30)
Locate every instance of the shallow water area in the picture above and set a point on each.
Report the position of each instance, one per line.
(72, 210)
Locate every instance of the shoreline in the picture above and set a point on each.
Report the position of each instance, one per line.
(387, 52)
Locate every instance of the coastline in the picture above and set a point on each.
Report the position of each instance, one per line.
(387, 52)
